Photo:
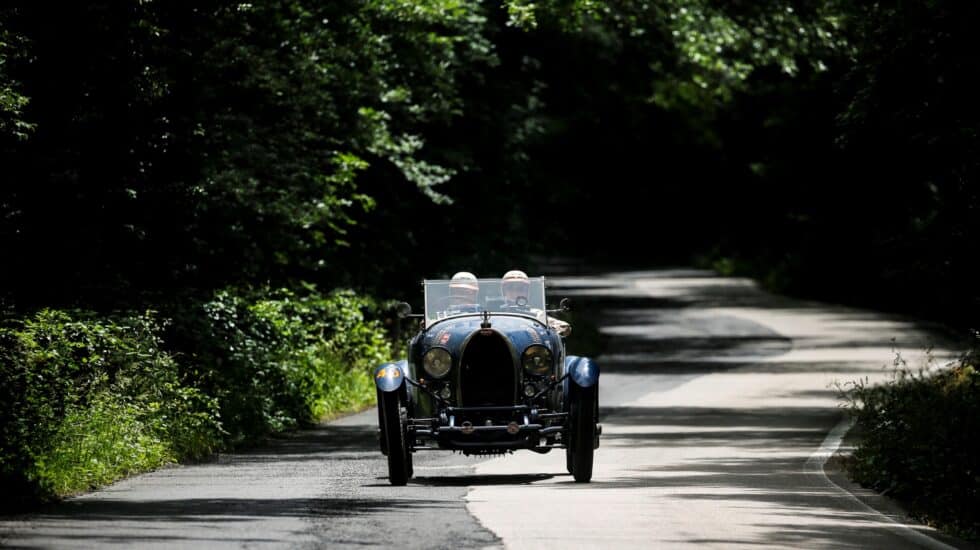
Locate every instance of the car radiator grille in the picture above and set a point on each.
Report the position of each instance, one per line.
(487, 376)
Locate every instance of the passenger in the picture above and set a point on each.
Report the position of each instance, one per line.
(515, 287)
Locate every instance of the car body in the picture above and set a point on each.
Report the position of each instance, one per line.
(487, 378)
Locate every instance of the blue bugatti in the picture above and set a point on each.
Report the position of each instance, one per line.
(486, 374)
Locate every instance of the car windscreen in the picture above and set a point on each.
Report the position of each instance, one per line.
(446, 298)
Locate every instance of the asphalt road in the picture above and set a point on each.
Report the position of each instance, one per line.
(717, 402)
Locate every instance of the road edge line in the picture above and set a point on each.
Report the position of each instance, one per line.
(815, 466)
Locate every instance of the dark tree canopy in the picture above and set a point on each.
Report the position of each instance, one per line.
(152, 147)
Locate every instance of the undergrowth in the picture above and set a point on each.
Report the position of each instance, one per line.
(918, 434)
(89, 398)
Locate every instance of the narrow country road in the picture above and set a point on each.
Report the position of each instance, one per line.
(717, 401)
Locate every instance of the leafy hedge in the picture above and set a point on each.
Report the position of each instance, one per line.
(279, 359)
(918, 442)
(88, 399)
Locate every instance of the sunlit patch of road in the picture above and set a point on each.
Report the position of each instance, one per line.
(714, 396)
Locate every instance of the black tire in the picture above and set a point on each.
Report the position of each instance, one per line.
(393, 431)
(408, 462)
(382, 440)
(581, 432)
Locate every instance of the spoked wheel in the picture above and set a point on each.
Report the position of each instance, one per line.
(581, 433)
(394, 431)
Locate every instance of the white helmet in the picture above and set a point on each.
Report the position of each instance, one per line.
(515, 284)
(464, 287)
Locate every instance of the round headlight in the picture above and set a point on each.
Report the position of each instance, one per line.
(437, 362)
(537, 360)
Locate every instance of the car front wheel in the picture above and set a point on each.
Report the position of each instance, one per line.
(581, 433)
(394, 434)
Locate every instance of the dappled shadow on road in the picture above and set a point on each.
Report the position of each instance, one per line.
(840, 533)
(104, 538)
(478, 480)
(732, 479)
(783, 505)
(724, 459)
(681, 289)
(310, 444)
(197, 521)
(748, 464)
(689, 322)
(714, 417)
(771, 429)
(245, 484)
(640, 364)
(216, 510)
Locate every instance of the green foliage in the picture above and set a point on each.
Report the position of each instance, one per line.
(234, 137)
(230, 144)
(265, 143)
(290, 156)
(12, 102)
(88, 399)
(277, 359)
(918, 439)
(706, 49)
(98, 443)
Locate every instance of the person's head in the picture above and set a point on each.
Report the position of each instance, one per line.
(514, 285)
(463, 288)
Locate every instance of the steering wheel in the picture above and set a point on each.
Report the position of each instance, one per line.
(519, 305)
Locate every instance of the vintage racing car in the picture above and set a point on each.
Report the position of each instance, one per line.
(487, 374)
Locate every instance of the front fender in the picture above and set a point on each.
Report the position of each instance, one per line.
(390, 377)
(582, 371)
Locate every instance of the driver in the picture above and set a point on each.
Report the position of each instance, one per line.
(463, 292)
(515, 286)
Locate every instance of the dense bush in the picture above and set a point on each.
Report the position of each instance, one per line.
(280, 359)
(88, 399)
(918, 442)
